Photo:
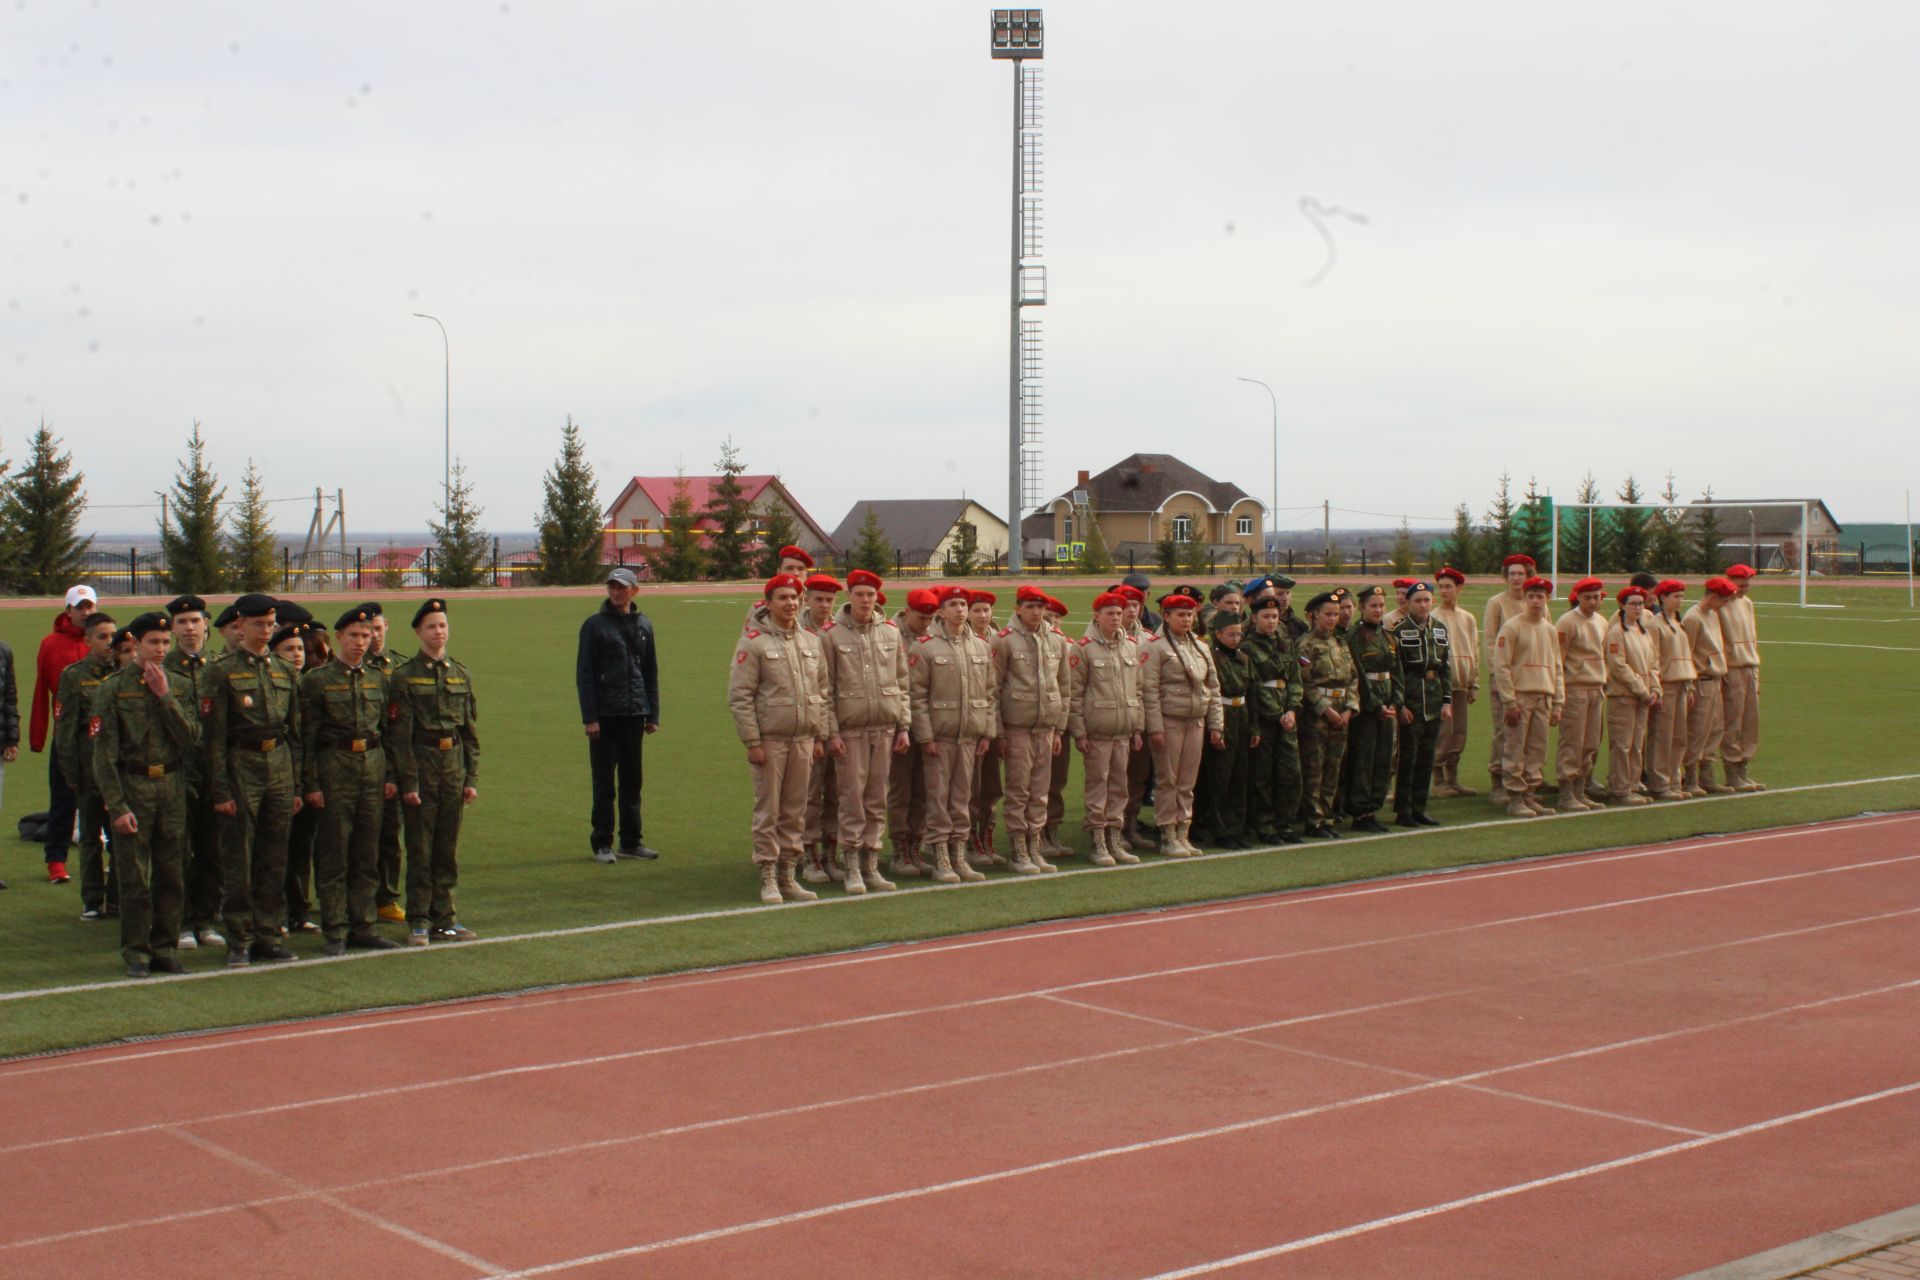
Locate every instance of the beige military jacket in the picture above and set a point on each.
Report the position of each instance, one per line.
(1465, 634)
(1105, 699)
(1179, 682)
(1702, 626)
(1034, 680)
(867, 671)
(1674, 649)
(1740, 637)
(778, 687)
(1583, 646)
(1633, 667)
(1502, 609)
(951, 682)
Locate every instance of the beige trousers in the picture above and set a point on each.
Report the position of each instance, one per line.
(1058, 773)
(1740, 710)
(1704, 725)
(949, 777)
(1106, 782)
(1176, 767)
(1497, 763)
(822, 803)
(1626, 739)
(1581, 724)
(1667, 738)
(987, 788)
(1029, 771)
(1524, 765)
(862, 775)
(1453, 740)
(780, 798)
(907, 796)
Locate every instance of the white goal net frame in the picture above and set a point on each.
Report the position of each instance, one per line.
(1803, 505)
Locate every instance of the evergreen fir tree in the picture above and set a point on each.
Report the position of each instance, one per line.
(871, 551)
(681, 558)
(777, 530)
(1098, 557)
(572, 537)
(250, 548)
(1670, 550)
(1533, 525)
(460, 553)
(1403, 549)
(1627, 533)
(1336, 560)
(1461, 547)
(1168, 553)
(1582, 530)
(1498, 538)
(963, 552)
(40, 511)
(732, 516)
(1708, 556)
(1196, 558)
(190, 533)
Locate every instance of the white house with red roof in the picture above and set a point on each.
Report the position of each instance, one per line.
(638, 517)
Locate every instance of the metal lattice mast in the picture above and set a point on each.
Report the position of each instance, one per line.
(1018, 35)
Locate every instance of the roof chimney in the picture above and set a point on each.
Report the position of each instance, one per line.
(1081, 478)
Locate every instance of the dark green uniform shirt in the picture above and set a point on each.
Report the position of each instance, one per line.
(1276, 673)
(1330, 681)
(1426, 666)
(198, 673)
(254, 704)
(1379, 668)
(73, 717)
(341, 708)
(144, 735)
(433, 700)
(1235, 667)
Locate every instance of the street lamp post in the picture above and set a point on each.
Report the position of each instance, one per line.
(446, 457)
(1273, 512)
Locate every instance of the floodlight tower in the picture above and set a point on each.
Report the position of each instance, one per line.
(1018, 35)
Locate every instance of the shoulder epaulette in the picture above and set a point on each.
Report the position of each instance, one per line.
(1006, 631)
(924, 639)
(828, 627)
(752, 634)
(1083, 640)
(890, 622)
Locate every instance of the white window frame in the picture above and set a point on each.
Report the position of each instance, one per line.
(1243, 526)
(1183, 528)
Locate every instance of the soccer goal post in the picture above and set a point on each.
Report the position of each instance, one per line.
(1682, 520)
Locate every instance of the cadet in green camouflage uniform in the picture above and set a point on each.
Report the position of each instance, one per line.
(437, 761)
(1425, 650)
(1273, 767)
(144, 730)
(72, 715)
(254, 725)
(1224, 770)
(189, 660)
(1330, 698)
(381, 657)
(1370, 738)
(347, 779)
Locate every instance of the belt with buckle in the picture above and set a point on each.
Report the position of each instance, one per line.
(254, 744)
(1432, 675)
(152, 770)
(1271, 684)
(442, 742)
(1233, 702)
(355, 745)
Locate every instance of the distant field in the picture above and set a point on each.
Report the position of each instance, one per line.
(1841, 702)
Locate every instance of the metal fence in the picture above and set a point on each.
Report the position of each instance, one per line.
(143, 571)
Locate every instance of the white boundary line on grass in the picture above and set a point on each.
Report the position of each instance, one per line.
(827, 902)
(1834, 644)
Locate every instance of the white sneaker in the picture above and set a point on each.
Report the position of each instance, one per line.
(211, 938)
(188, 942)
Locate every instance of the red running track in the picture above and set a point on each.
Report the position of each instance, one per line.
(1613, 1065)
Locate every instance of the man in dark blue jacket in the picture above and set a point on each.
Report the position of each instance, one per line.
(618, 675)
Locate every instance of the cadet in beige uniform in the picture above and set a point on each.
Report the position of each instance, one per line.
(1464, 633)
(1667, 726)
(1510, 603)
(1107, 719)
(1583, 656)
(907, 785)
(793, 561)
(867, 671)
(1030, 670)
(1532, 688)
(1049, 841)
(1740, 691)
(982, 848)
(1633, 687)
(1702, 625)
(950, 674)
(1140, 758)
(1181, 690)
(783, 711)
(821, 837)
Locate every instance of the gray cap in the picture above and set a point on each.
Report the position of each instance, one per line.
(623, 576)
(1139, 580)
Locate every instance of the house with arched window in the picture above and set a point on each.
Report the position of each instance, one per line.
(1144, 500)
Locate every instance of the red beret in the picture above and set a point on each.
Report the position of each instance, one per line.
(1109, 600)
(1631, 592)
(1029, 594)
(780, 580)
(1134, 594)
(951, 591)
(1401, 584)
(1055, 608)
(1721, 587)
(1537, 583)
(1741, 571)
(1670, 586)
(923, 600)
(981, 597)
(1452, 575)
(795, 553)
(863, 578)
(1178, 602)
(1517, 558)
(1588, 584)
(879, 597)
(823, 582)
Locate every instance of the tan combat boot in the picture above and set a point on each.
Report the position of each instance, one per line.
(957, 859)
(1746, 780)
(1519, 808)
(1696, 785)
(851, 878)
(1181, 833)
(1570, 798)
(1442, 788)
(906, 860)
(1586, 792)
(1707, 783)
(1037, 851)
(1100, 857)
(1453, 777)
(870, 871)
(1118, 848)
(1534, 803)
(1130, 832)
(815, 872)
(943, 872)
(790, 889)
(836, 865)
(1022, 862)
(1170, 842)
(770, 884)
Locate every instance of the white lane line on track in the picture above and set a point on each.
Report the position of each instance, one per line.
(408, 955)
(1232, 1033)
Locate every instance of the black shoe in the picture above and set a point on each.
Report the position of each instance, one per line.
(639, 851)
(1234, 842)
(334, 947)
(1423, 820)
(1406, 820)
(236, 958)
(1322, 831)
(270, 951)
(372, 942)
(137, 969)
(1289, 836)
(166, 964)
(3, 884)
(1369, 824)
(111, 911)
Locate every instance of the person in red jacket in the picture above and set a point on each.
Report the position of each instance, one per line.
(66, 645)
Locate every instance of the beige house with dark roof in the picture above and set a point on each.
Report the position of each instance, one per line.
(1145, 499)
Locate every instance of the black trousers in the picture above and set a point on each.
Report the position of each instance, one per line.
(616, 771)
(1415, 779)
(62, 807)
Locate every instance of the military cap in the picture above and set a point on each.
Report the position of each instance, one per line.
(796, 553)
(1221, 592)
(1740, 571)
(288, 611)
(228, 616)
(863, 578)
(780, 582)
(1281, 581)
(1321, 601)
(1029, 594)
(1720, 586)
(373, 608)
(185, 604)
(1368, 592)
(1338, 594)
(1414, 587)
(1127, 591)
(283, 634)
(358, 614)
(1538, 583)
(1401, 584)
(879, 597)
(435, 605)
(254, 605)
(1228, 618)
(150, 621)
(824, 582)
(1107, 600)
(122, 635)
(1452, 575)
(1191, 592)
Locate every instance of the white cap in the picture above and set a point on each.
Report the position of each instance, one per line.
(76, 594)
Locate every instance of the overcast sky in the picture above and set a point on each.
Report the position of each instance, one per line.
(1627, 237)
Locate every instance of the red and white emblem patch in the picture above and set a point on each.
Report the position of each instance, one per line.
(93, 727)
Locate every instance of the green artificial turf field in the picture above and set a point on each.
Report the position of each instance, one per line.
(1840, 703)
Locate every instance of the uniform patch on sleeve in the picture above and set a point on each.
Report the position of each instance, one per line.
(913, 659)
(739, 657)
(57, 709)
(93, 727)
(752, 634)
(1073, 659)
(393, 712)
(206, 707)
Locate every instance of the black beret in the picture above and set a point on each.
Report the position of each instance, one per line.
(1227, 618)
(1415, 588)
(1369, 592)
(1192, 593)
(228, 616)
(359, 613)
(288, 611)
(140, 626)
(254, 605)
(186, 604)
(1338, 593)
(1324, 598)
(1265, 603)
(372, 607)
(1281, 581)
(285, 633)
(1220, 593)
(121, 635)
(435, 605)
